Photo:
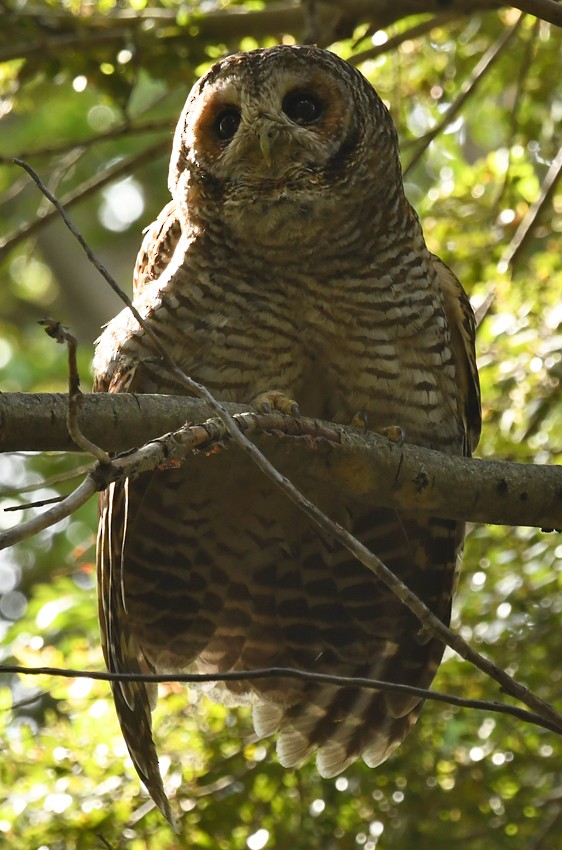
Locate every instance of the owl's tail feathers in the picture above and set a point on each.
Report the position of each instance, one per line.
(133, 704)
(134, 700)
(341, 724)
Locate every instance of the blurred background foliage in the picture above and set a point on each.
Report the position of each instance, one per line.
(90, 91)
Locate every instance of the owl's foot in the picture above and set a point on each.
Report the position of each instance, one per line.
(276, 400)
(394, 433)
(360, 420)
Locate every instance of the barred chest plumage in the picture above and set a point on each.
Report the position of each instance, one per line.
(373, 339)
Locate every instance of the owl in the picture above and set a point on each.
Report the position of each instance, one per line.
(288, 268)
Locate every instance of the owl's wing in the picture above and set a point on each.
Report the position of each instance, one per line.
(158, 246)
(134, 701)
(462, 325)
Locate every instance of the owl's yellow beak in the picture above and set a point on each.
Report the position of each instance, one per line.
(265, 145)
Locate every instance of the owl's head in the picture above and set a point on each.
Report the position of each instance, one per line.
(272, 136)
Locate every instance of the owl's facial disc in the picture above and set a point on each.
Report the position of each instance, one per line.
(265, 137)
(281, 128)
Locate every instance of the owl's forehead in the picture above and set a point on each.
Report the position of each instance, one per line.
(268, 74)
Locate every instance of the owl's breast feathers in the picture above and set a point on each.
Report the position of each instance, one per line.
(209, 566)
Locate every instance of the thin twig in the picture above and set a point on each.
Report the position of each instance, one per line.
(45, 482)
(288, 673)
(60, 511)
(484, 308)
(466, 90)
(520, 87)
(409, 34)
(39, 504)
(60, 209)
(524, 230)
(57, 332)
(88, 187)
(104, 841)
(115, 133)
(432, 624)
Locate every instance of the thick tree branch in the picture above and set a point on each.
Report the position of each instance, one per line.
(363, 464)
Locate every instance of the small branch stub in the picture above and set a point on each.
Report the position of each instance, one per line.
(59, 333)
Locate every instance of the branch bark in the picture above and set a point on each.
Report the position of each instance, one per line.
(364, 465)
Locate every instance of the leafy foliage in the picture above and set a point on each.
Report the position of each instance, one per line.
(87, 92)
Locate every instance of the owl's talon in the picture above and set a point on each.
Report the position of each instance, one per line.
(275, 400)
(361, 420)
(394, 433)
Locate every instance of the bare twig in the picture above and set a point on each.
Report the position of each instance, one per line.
(39, 504)
(520, 86)
(466, 90)
(68, 475)
(409, 34)
(60, 511)
(288, 673)
(108, 135)
(104, 841)
(523, 231)
(88, 187)
(56, 331)
(484, 308)
(60, 209)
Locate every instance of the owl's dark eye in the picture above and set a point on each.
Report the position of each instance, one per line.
(227, 122)
(302, 107)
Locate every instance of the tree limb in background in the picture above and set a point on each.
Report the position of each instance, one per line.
(333, 20)
(88, 187)
(395, 41)
(522, 233)
(548, 10)
(517, 100)
(126, 129)
(467, 89)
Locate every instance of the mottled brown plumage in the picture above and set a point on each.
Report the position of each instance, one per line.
(288, 259)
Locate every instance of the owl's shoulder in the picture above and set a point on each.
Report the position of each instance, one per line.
(158, 246)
